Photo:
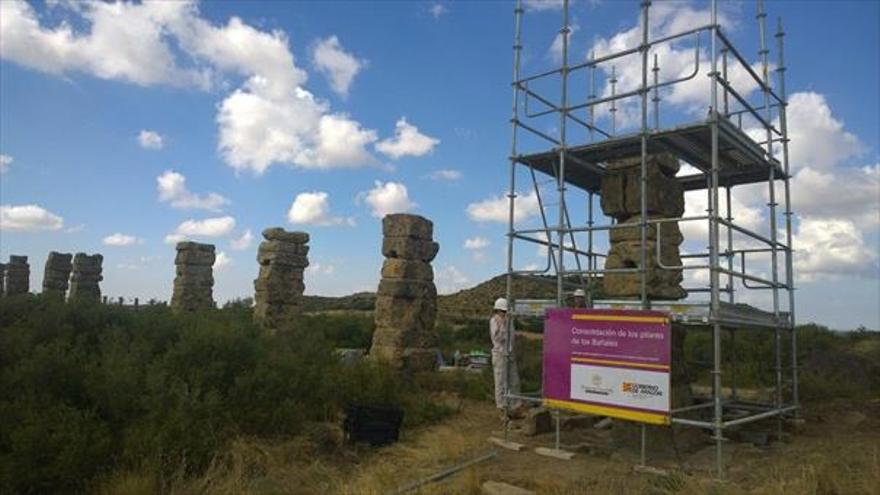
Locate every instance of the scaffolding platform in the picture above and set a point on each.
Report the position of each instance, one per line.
(741, 159)
(737, 315)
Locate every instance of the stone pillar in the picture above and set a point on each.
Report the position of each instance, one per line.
(2, 279)
(278, 289)
(621, 199)
(194, 281)
(18, 275)
(86, 278)
(406, 303)
(56, 274)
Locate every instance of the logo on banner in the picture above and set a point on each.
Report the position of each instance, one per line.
(595, 387)
(639, 390)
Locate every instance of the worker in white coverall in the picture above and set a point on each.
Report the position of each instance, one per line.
(503, 357)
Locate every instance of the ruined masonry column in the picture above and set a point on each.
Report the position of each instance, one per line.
(194, 280)
(86, 277)
(2, 279)
(621, 199)
(406, 303)
(18, 274)
(278, 289)
(56, 274)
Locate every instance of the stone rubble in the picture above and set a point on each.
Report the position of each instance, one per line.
(194, 280)
(278, 290)
(406, 302)
(17, 278)
(56, 274)
(86, 277)
(621, 199)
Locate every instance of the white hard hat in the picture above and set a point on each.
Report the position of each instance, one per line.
(500, 304)
(579, 293)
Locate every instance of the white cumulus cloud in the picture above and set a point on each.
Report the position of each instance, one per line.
(172, 189)
(5, 162)
(256, 132)
(270, 118)
(832, 248)
(221, 261)
(555, 51)
(122, 41)
(438, 10)
(450, 279)
(174, 238)
(676, 60)
(543, 5)
(849, 192)
(476, 243)
(243, 242)
(407, 141)
(313, 208)
(497, 208)
(120, 240)
(209, 227)
(318, 268)
(28, 218)
(445, 174)
(337, 65)
(151, 140)
(818, 139)
(388, 197)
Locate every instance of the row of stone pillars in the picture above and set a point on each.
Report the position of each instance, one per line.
(406, 303)
(80, 273)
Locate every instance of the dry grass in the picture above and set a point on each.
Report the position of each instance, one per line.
(838, 453)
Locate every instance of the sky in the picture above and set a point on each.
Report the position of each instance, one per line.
(126, 127)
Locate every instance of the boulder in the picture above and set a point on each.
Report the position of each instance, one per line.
(405, 313)
(670, 233)
(282, 258)
(407, 269)
(279, 234)
(405, 288)
(407, 225)
(661, 283)
(409, 248)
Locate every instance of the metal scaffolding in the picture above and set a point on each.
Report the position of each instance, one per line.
(573, 155)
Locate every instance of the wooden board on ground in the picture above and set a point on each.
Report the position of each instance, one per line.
(507, 444)
(498, 488)
(650, 470)
(559, 454)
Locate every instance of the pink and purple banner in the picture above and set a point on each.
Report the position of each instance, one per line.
(608, 362)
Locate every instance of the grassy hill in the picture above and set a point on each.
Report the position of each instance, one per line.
(475, 302)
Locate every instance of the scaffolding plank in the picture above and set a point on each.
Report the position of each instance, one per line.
(734, 315)
(741, 159)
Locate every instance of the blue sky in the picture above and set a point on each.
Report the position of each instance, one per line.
(152, 121)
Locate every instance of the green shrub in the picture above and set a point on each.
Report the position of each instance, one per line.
(91, 389)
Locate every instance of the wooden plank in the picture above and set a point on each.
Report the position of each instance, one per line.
(507, 444)
(558, 454)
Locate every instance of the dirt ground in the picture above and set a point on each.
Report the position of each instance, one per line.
(835, 451)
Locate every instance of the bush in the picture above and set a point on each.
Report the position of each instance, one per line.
(90, 389)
